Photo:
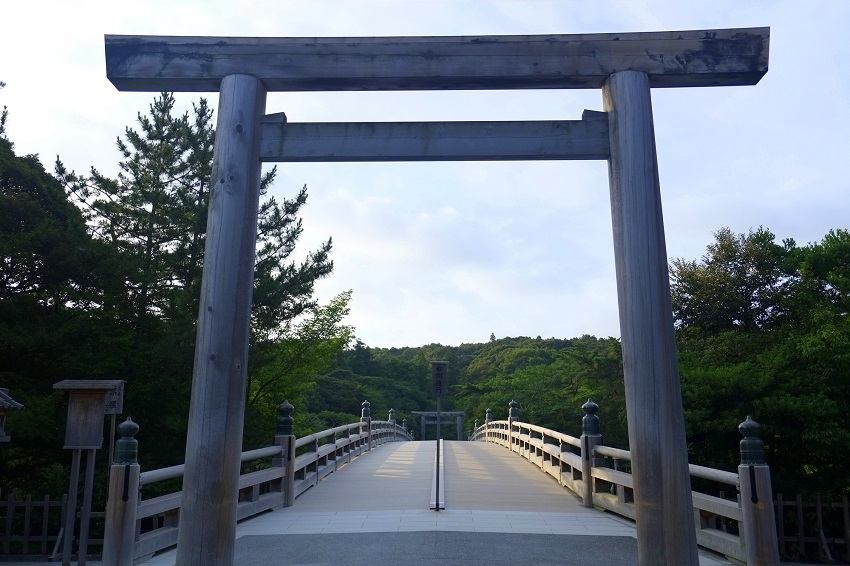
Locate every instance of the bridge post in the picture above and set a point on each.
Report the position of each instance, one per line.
(513, 415)
(366, 419)
(758, 527)
(662, 486)
(285, 438)
(119, 537)
(590, 437)
(488, 416)
(460, 427)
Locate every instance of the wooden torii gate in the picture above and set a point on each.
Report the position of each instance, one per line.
(430, 418)
(625, 66)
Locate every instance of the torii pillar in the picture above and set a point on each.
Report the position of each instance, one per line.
(216, 415)
(624, 66)
(662, 486)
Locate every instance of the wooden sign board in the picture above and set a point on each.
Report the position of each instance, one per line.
(439, 374)
(86, 409)
(115, 399)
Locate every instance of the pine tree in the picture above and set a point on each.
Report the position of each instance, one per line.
(156, 212)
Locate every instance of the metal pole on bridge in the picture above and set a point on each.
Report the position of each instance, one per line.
(437, 501)
(438, 377)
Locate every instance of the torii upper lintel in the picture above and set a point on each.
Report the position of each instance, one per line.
(725, 57)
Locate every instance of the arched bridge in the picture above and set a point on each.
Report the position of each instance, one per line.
(365, 493)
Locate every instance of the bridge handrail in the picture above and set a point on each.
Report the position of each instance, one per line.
(616, 453)
(713, 474)
(171, 472)
(272, 486)
(597, 475)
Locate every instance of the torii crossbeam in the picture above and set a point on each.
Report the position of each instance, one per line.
(625, 66)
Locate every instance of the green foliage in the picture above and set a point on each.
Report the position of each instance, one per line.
(738, 284)
(286, 367)
(780, 356)
(107, 286)
(58, 320)
(550, 379)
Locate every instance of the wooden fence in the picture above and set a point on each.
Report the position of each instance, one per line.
(31, 526)
(813, 530)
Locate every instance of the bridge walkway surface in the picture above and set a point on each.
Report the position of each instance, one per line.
(499, 510)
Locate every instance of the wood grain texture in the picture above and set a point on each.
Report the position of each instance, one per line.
(434, 141)
(663, 506)
(119, 535)
(759, 524)
(216, 414)
(671, 59)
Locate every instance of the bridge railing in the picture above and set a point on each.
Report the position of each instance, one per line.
(601, 476)
(272, 482)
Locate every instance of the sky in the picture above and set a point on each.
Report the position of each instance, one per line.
(452, 252)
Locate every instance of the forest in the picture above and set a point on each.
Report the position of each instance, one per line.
(100, 279)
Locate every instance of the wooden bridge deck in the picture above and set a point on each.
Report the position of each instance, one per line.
(488, 490)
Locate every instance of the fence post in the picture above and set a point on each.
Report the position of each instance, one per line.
(119, 537)
(758, 527)
(285, 438)
(513, 415)
(590, 438)
(366, 419)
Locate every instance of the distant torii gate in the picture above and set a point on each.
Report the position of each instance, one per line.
(430, 418)
(624, 66)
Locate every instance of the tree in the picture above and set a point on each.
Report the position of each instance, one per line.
(287, 366)
(738, 284)
(154, 213)
(763, 330)
(57, 321)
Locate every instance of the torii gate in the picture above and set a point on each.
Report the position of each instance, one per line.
(624, 66)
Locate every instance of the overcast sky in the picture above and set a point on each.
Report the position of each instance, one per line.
(452, 252)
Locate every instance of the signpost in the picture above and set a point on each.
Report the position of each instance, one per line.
(114, 406)
(438, 380)
(88, 401)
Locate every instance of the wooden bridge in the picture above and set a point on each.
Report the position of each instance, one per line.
(382, 498)
(365, 490)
